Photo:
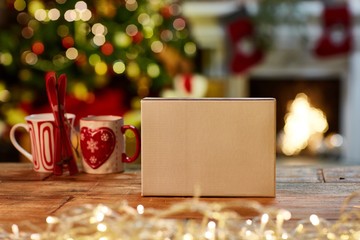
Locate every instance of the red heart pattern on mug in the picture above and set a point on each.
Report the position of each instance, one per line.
(97, 145)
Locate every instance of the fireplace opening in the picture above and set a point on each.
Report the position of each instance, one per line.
(308, 113)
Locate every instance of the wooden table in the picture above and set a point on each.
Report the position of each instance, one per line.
(27, 195)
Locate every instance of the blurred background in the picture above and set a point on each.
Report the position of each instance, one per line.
(304, 53)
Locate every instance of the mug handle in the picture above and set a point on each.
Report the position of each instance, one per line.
(126, 158)
(15, 142)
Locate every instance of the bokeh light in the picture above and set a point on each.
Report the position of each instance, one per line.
(30, 58)
(81, 6)
(148, 32)
(72, 53)
(80, 91)
(122, 40)
(23, 18)
(107, 49)
(6, 59)
(15, 115)
(70, 15)
(157, 19)
(133, 70)
(98, 29)
(179, 24)
(190, 48)
(27, 32)
(86, 15)
(99, 40)
(175, 9)
(35, 5)
(4, 94)
(40, 15)
(157, 46)
(94, 59)
(119, 67)
(153, 70)
(166, 35)
(54, 14)
(101, 68)
(38, 48)
(144, 19)
(131, 30)
(131, 5)
(67, 42)
(19, 5)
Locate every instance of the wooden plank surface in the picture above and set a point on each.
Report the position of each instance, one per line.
(19, 172)
(346, 174)
(26, 195)
(293, 174)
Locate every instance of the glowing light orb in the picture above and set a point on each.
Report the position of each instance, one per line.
(153, 70)
(99, 40)
(38, 48)
(101, 68)
(94, 59)
(179, 24)
(72, 53)
(19, 5)
(119, 67)
(40, 15)
(122, 40)
(107, 49)
(157, 46)
(190, 48)
(54, 14)
(302, 122)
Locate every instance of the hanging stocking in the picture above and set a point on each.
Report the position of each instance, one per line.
(336, 38)
(245, 52)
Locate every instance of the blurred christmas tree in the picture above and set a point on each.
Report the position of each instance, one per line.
(125, 44)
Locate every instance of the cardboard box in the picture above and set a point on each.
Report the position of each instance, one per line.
(223, 147)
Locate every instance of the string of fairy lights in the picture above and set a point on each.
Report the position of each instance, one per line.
(210, 221)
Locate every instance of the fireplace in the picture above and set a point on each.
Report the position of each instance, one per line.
(318, 100)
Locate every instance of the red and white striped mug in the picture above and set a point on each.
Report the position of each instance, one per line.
(41, 128)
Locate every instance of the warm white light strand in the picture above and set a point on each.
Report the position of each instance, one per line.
(212, 221)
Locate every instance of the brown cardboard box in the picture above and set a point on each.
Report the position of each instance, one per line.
(223, 147)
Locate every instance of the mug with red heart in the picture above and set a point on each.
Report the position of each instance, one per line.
(102, 144)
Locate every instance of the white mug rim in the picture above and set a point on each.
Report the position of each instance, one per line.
(101, 118)
(39, 117)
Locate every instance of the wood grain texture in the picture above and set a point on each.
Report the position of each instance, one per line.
(26, 195)
(299, 174)
(342, 174)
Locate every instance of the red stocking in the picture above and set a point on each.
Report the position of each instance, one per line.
(336, 38)
(245, 53)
